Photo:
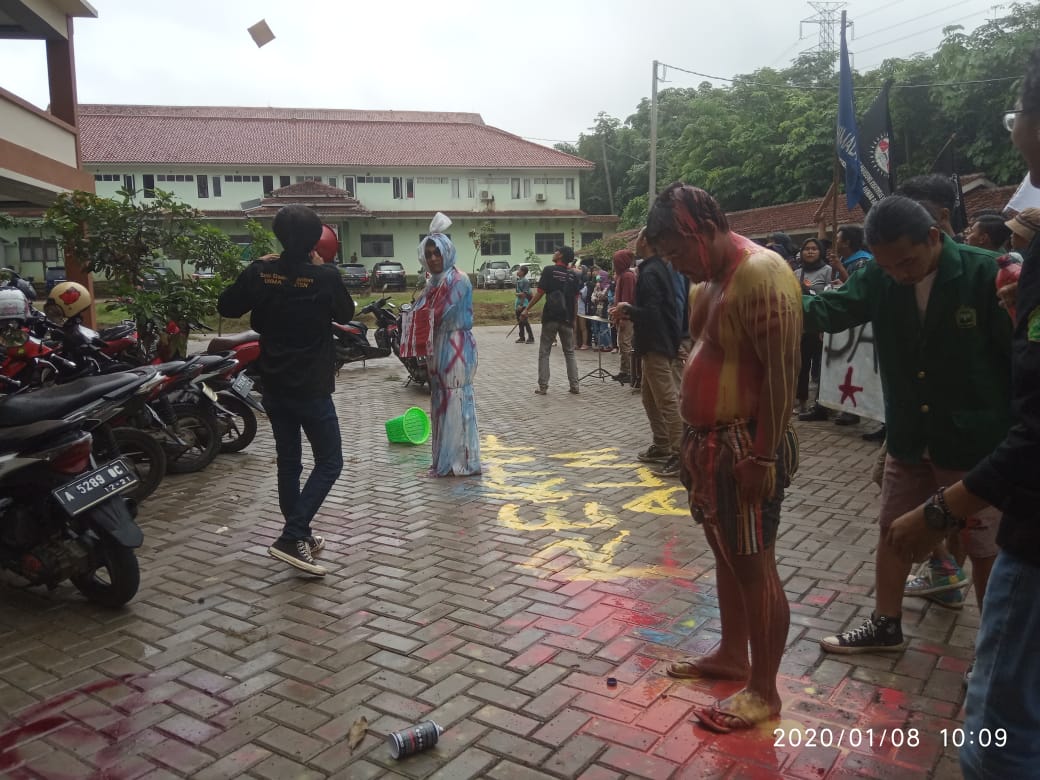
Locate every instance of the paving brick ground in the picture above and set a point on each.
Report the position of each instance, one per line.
(497, 606)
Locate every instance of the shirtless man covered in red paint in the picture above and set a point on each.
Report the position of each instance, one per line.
(737, 391)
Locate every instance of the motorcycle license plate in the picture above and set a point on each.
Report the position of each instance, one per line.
(88, 490)
(242, 385)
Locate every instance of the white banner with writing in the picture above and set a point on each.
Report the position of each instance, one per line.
(849, 379)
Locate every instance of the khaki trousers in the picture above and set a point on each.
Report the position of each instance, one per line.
(624, 337)
(661, 401)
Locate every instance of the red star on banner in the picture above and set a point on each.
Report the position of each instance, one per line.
(849, 390)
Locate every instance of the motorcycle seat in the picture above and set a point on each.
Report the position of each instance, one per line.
(24, 437)
(208, 361)
(54, 403)
(224, 343)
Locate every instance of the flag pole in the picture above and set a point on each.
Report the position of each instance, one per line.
(950, 140)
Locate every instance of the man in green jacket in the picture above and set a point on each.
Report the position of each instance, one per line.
(944, 353)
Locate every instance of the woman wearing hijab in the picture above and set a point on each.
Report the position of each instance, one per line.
(441, 328)
(814, 274)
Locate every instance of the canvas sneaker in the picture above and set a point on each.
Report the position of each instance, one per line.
(937, 576)
(950, 599)
(316, 543)
(296, 553)
(670, 468)
(877, 634)
(654, 454)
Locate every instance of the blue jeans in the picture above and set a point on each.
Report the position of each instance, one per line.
(1004, 692)
(317, 418)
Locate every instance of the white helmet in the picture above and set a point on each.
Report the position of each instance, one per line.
(67, 300)
(13, 305)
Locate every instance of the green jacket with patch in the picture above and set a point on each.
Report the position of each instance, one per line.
(946, 381)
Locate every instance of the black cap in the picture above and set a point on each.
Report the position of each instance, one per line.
(567, 253)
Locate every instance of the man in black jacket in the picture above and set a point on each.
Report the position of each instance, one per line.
(656, 341)
(1002, 709)
(560, 286)
(293, 303)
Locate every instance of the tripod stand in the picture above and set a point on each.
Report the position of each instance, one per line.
(598, 372)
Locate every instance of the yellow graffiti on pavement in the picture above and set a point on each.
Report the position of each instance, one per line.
(525, 488)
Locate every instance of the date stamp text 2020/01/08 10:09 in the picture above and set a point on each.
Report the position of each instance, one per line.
(876, 738)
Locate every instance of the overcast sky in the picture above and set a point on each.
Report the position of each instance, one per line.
(536, 68)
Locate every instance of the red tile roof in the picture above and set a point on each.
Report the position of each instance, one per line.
(216, 135)
(995, 198)
(488, 215)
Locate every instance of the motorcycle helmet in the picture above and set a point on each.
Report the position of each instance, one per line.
(67, 300)
(13, 305)
(327, 245)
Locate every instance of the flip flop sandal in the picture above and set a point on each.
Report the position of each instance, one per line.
(710, 718)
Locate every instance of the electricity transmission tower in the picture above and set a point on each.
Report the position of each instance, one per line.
(828, 17)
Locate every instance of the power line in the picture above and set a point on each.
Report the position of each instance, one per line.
(810, 87)
(914, 19)
(922, 32)
(878, 10)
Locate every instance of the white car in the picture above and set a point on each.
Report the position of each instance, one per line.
(493, 273)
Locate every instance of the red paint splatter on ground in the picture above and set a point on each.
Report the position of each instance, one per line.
(638, 619)
(667, 556)
(8, 739)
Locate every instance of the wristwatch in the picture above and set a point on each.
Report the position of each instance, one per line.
(937, 515)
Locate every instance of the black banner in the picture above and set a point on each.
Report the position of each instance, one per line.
(875, 151)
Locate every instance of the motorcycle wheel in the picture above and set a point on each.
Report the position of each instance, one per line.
(145, 454)
(117, 576)
(239, 428)
(198, 429)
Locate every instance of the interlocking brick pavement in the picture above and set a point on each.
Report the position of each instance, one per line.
(497, 606)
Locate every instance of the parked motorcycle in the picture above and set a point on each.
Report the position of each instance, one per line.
(416, 366)
(63, 516)
(351, 339)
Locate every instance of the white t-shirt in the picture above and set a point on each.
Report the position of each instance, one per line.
(923, 291)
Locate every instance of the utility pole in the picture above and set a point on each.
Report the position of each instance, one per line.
(606, 171)
(653, 140)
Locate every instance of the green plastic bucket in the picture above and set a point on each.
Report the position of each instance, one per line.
(412, 427)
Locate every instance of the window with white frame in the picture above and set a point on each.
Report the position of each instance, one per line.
(37, 250)
(588, 238)
(527, 188)
(175, 177)
(108, 177)
(239, 179)
(202, 185)
(471, 188)
(514, 189)
(569, 189)
(373, 245)
(546, 243)
(349, 184)
(398, 188)
(496, 245)
(454, 188)
(373, 179)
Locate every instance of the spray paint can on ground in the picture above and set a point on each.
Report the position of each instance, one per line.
(415, 739)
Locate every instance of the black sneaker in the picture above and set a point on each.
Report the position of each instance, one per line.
(297, 554)
(877, 436)
(816, 414)
(520, 341)
(316, 543)
(575, 391)
(530, 341)
(876, 635)
(670, 468)
(846, 418)
(654, 454)
(622, 378)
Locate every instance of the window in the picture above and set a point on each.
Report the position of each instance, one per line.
(237, 178)
(349, 185)
(546, 243)
(373, 179)
(168, 177)
(588, 238)
(108, 176)
(284, 181)
(570, 189)
(129, 184)
(398, 188)
(268, 184)
(37, 250)
(307, 178)
(216, 186)
(202, 186)
(527, 188)
(377, 246)
(332, 181)
(514, 189)
(409, 185)
(148, 182)
(471, 188)
(495, 245)
(454, 188)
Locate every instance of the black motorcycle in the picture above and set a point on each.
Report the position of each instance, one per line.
(63, 516)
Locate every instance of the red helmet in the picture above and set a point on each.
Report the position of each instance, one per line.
(328, 244)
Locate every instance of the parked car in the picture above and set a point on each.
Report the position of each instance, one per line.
(54, 275)
(534, 270)
(150, 276)
(389, 274)
(355, 276)
(493, 273)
